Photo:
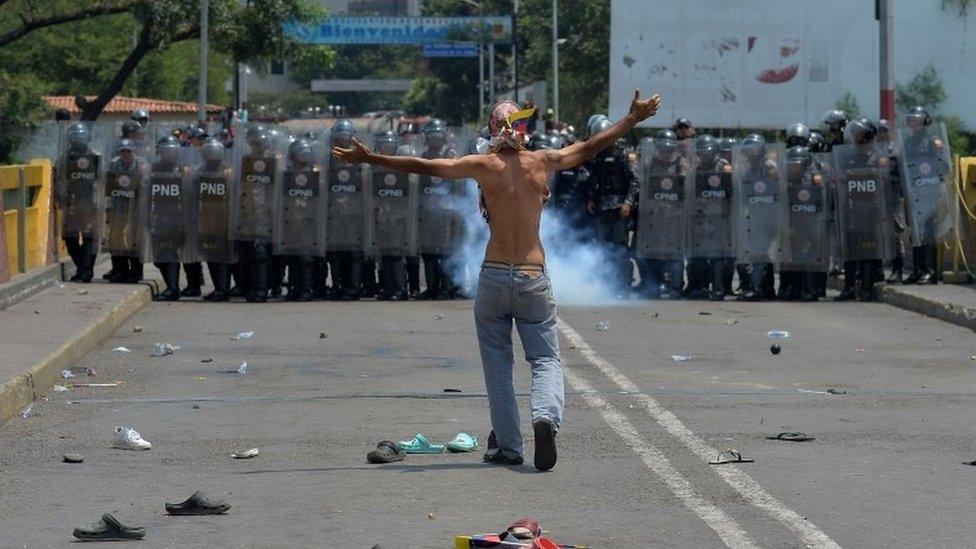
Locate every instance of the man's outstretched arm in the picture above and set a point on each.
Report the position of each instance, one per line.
(576, 154)
(447, 168)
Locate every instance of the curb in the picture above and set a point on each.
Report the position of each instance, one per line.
(27, 387)
(33, 282)
(948, 312)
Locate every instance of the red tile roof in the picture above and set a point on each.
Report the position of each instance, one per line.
(125, 105)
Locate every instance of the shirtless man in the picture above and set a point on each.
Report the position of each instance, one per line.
(513, 284)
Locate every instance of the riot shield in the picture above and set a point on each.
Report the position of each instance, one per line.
(213, 198)
(437, 221)
(710, 209)
(347, 206)
(394, 213)
(166, 210)
(81, 173)
(863, 222)
(661, 227)
(805, 217)
(925, 171)
(125, 179)
(259, 162)
(758, 190)
(301, 204)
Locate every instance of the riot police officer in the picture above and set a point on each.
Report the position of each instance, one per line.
(710, 223)
(258, 176)
(613, 188)
(213, 190)
(393, 219)
(834, 122)
(438, 223)
(896, 206)
(805, 244)
(80, 172)
(167, 221)
(757, 275)
(569, 195)
(791, 282)
(300, 220)
(123, 214)
(345, 235)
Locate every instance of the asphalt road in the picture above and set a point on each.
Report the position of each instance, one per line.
(884, 471)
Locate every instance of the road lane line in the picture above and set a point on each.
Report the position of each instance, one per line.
(723, 525)
(742, 483)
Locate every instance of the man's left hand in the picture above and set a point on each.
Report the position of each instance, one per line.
(625, 210)
(357, 154)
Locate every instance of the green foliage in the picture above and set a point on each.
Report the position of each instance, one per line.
(848, 104)
(21, 107)
(924, 89)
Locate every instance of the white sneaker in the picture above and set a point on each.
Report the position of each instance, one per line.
(127, 438)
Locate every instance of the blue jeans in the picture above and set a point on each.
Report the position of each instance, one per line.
(506, 294)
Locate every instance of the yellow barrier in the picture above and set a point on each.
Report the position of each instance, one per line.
(964, 247)
(38, 219)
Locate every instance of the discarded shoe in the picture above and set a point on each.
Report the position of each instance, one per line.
(545, 444)
(127, 438)
(791, 437)
(73, 458)
(386, 451)
(198, 504)
(462, 442)
(419, 444)
(246, 454)
(109, 529)
(730, 456)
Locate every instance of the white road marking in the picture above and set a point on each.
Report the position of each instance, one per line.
(742, 483)
(725, 526)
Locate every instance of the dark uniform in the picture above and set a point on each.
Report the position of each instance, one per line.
(612, 183)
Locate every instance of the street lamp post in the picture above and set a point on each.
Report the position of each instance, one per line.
(555, 60)
(204, 23)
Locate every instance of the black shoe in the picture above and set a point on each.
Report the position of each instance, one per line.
(303, 296)
(443, 296)
(895, 278)
(198, 504)
(749, 295)
(383, 296)
(117, 278)
(276, 292)
(809, 297)
(398, 297)
(847, 294)
(425, 295)
(236, 291)
(111, 273)
(109, 529)
(914, 277)
(716, 296)
(545, 444)
(495, 456)
(190, 291)
(697, 294)
(928, 277)
(217, 295)
(169, 294)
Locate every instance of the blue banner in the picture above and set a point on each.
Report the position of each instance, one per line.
(403, 30)
(450, 50)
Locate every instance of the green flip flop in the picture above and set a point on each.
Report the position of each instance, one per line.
(463, 442)
(420, 445)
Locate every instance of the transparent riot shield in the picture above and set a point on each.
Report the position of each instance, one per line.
(710, 209)
(661, 227)
(925, 170)
(437, 220)
(347, 206)
(394, 213)
(805, 245)
(81, 178)
(213, 200)
(864, 225)
(259, 162)
(301, 204)
(125, 179)
(758, 189)
(166, 195)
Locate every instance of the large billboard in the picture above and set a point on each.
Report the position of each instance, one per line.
(749, 63)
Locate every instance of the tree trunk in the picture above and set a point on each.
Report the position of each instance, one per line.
(90, 110)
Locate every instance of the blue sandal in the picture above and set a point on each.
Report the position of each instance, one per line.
(462, 442)
(420, 445)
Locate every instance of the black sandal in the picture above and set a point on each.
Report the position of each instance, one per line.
(386, 451)
(109, 529)
(198, 504)
(791, 437)
(730, 456)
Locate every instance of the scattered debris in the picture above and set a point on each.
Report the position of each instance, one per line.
(973, 463)
(198, 504)
(90, 371)
(137, 328)
(121, 349)
(243, 335)
(655, 315)
(778, 334)
(195, 407)
(66, 374)
(246, 454)
(127, 438)
(113, 384)
(775, 349)
(109, 529)
(163, 349)
(82, 292)
(681, 358)
(323, 335)
(36, 312)
(72, 458)
(200, 378)
(813, 392)
(836, 392)
(242, 369)
(730, 456)
(704, 313)
(731, 321)
(206, 360)
(60, 389)
(26, 412)
(603, 325)
(791, 437)
(430, 516)
(62, 285)
(438, 317)
(452, 390)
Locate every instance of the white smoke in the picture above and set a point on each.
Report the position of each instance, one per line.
(581, 270)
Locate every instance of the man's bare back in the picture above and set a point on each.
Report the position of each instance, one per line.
(513, 182)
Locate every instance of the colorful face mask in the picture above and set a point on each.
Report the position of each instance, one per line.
(514, 132)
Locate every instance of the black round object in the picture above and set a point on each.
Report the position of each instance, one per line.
(775, 349)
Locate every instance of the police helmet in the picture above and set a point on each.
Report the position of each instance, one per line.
(300, 151)
(484, 132)
(835, 119)
(754, 146)
(255, 130)
(79, 136)
(600, 125)
(212, 150)
(591, 123)
(387, 143)
(797, 134)
(168, 148)
(919, 115)
(196, 132)
(860, 131)
(311, 137)
(130, 129)
(816, 144)
(706, 147)
(666, 142)
(539, 141)
(125, 145)
(141, 116)
(798, 157)
(343, 129)
(435, 133)
(725, 144)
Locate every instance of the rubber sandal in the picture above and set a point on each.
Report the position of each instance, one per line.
(420, 445)
(386, 451)
(791, 437)
(198, 504)
(730, 456)
(109, 529)
(462, 442)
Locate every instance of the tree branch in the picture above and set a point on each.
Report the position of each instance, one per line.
(30, 25)
(90, 110)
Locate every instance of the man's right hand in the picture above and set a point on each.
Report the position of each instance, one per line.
(642, 109)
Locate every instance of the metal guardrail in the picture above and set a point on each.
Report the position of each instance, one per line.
(22, 221)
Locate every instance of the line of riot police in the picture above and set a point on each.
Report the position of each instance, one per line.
(689, 212)
(258, 207)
